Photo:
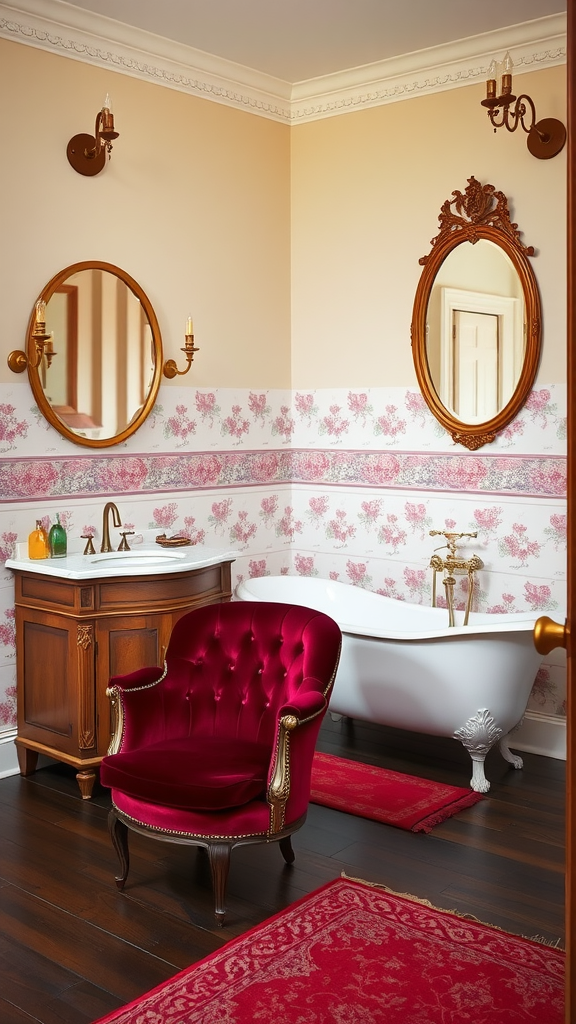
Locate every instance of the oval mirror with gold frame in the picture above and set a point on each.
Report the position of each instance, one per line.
(101, 379)
(476, 323)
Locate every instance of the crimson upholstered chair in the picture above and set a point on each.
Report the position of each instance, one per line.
(216, 749)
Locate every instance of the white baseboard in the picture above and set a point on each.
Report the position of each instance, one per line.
(8, 758)
(541, 734)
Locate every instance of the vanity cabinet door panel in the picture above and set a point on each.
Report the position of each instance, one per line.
(125, 644)
(56, 682)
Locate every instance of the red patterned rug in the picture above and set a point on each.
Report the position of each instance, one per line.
(354, 953)
(403, 800)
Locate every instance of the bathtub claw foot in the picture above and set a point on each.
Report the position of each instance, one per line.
(335, 716)
(479, 783)
(514, 759)
(478, 735)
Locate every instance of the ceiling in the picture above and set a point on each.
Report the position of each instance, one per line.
(299, 40)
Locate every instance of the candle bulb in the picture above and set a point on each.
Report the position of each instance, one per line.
(491, 81)
(40, 313)
(507, 75)
(189, 326)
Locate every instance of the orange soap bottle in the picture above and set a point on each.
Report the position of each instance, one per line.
(38, 546)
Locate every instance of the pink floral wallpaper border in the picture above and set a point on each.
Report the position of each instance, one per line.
(334, 483)
(91, 476)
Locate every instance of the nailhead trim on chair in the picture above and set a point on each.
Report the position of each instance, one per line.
(196, 835)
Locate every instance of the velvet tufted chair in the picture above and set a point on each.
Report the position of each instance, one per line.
(216, 749)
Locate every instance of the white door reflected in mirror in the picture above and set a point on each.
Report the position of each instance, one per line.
(475, 331)
(475, 353)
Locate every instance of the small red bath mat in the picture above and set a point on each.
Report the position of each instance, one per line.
(405, 801)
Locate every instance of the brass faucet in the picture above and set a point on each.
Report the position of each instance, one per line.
(109, 507)
(452, 565)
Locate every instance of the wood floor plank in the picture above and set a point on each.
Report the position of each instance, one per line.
(89, 952)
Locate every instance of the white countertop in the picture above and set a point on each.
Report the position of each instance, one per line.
(143, 560)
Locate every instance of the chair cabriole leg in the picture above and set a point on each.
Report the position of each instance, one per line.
(286, 849)
(119, 835)
(219, 854)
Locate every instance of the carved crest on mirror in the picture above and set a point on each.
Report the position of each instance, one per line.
(476, 323)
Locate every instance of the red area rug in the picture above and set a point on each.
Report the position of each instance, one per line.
(354, 953)
(403, 800)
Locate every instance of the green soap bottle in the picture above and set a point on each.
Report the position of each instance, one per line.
(57, 539)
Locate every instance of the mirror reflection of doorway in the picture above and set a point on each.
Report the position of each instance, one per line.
(480, 352)
(475, 365)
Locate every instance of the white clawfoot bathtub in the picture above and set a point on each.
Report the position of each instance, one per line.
(401, 664)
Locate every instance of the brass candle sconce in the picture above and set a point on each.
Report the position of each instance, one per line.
(170, 368)
(545, 138)
(43, 344)
(87, 153)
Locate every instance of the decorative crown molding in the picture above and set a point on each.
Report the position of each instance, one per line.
(69, 31)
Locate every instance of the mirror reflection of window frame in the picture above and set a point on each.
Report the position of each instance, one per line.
(84, 428)
(493, 225)
(67, 353)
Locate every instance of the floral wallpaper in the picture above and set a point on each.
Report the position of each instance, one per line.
(337, 483)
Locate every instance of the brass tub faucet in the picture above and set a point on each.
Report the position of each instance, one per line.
(453, 565)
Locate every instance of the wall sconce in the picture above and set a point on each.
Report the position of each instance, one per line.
(545, 138)
(170, 369)
(43, 343)
(87, 153)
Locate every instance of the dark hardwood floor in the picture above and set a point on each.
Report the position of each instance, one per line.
(72, 948)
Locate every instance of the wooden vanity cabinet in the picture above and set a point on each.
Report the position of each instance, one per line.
(72, 635)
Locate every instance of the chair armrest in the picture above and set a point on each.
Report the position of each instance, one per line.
(305, 704)
(296, 734)
(141, 677)
(137, 707)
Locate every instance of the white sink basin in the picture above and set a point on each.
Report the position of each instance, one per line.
(149, 561)
(133, 558)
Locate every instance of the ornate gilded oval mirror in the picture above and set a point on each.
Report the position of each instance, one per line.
(476, 322)
(99, 375)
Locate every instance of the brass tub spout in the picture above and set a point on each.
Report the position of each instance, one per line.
(453, 565)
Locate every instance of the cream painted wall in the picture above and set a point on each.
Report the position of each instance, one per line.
(195, 205)
(235, 219)
(219, 214)
(367, 188)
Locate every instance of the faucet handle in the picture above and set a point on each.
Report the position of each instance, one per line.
(89, 548)
(123, 546)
